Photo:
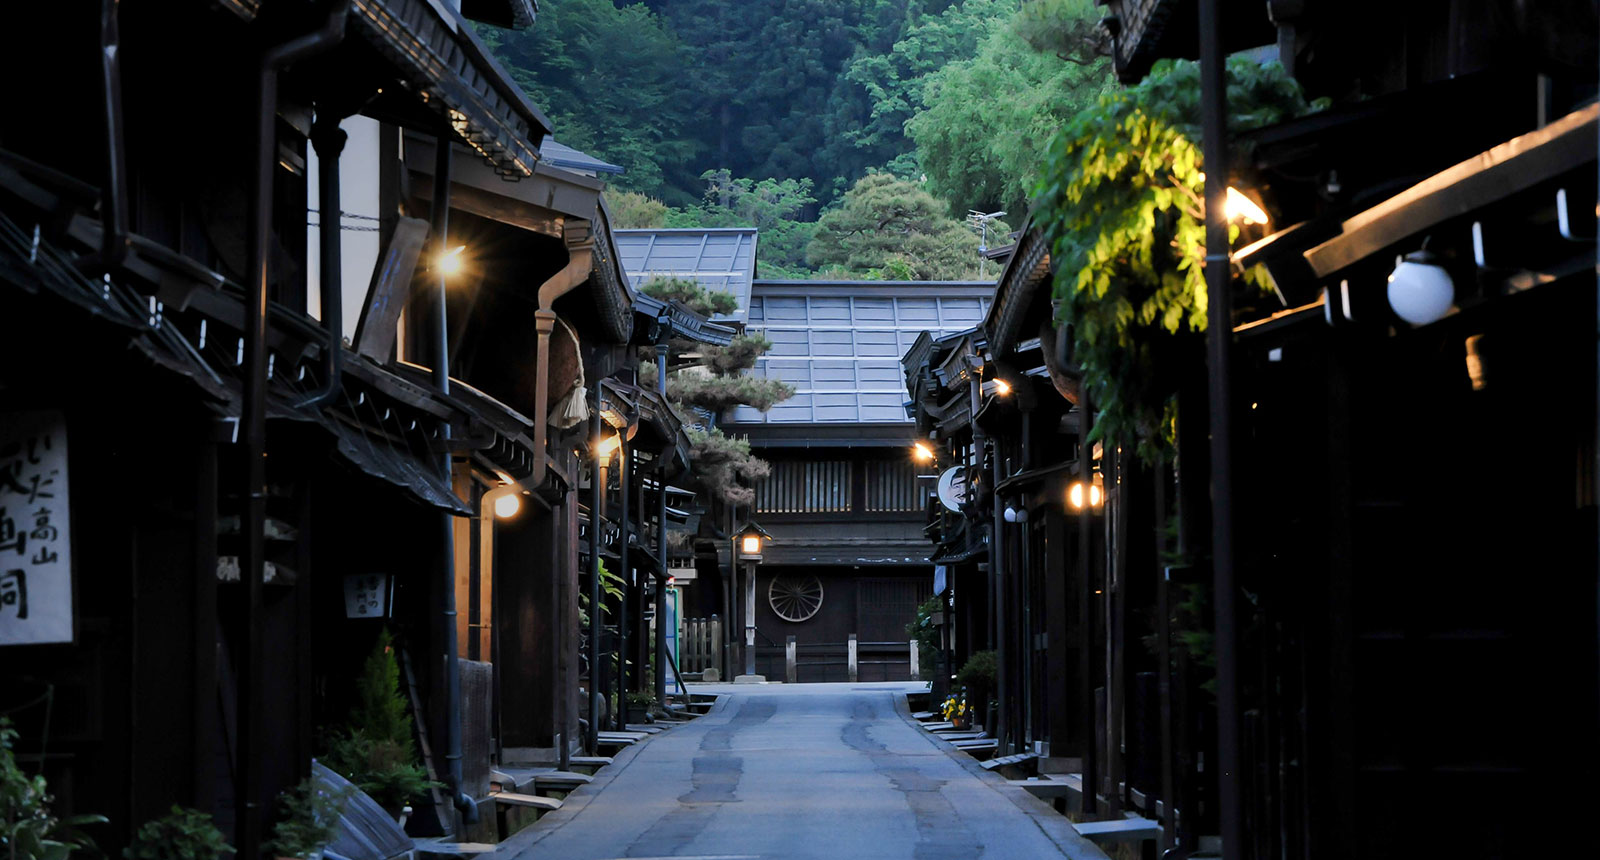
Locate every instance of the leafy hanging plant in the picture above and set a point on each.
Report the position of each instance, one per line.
(1120, 197)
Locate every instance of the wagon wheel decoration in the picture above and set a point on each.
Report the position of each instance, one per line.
(795, 598)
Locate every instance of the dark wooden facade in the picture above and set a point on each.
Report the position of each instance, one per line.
(1400, 688)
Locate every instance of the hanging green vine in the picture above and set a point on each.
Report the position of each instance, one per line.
(1120, 197)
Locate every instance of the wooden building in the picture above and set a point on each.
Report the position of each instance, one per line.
(296, 308)
(1411, 652)
(845, 500)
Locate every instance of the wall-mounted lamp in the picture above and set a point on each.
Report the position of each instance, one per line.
(1237, 206)
(921, 452)
(1002, 387)
(449, 262)
(1076, 495)
(507, 506)
(604, 448)
(1420, 290)
(1016, 514)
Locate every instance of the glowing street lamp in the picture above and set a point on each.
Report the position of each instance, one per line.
(507, 506)
(449, 262)
(749, 543)
(604, 448)
(1002, 387)
(921, 452)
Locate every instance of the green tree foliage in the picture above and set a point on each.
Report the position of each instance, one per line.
(29, 829)
(375, 750)
(725, 465)
(691, 295)
(771, 206)
(891, 228)
(380, 710)
(1119, 196)
(632, 210)
(183, 834)
(982, 134)
(884, 89)
(611, 80)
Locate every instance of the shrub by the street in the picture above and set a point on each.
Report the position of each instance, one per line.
(979, 675)
(183, 834)
(375, 750)
(308, 819)
(926, 633)
(29, 830)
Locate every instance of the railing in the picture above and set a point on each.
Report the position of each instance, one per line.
(850, 661)
(701, 646)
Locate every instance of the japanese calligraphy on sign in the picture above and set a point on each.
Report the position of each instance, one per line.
(366, 595)
(35, 540)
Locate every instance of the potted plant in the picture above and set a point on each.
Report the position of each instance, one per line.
(639, 708)
(978, 676)
(183, 834)
(309, 820)
(28, 829)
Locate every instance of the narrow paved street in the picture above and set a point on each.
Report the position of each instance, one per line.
(815, 770)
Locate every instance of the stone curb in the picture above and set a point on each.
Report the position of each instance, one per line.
(522, 843)
(1053, 824)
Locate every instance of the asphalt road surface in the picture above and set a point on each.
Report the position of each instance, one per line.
(799, 771)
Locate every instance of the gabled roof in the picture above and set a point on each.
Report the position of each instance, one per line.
(719, 258)
(839, 343)
(557, 154)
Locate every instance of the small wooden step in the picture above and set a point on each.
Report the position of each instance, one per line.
(547, 804)
(453, 849)
(1120, 830)
(1050, 788)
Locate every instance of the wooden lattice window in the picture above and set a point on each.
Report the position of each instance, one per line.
(805, 487)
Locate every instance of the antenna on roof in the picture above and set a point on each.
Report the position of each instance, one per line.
(980, 222)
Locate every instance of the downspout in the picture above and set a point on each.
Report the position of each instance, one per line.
(624, 473)
(441, 382)
(580, 264)
(114, 200)
(329, 139)
(254, 413)
(663, 354)
(597, 498)
(1219, 345)
(1090, 752)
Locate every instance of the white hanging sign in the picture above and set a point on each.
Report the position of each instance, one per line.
(35, 533)
(367, 595)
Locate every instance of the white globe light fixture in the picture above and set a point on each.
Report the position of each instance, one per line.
(1420, 290)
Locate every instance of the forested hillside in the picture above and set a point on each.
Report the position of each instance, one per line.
(767, 112)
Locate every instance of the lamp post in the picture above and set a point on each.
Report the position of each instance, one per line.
(603, 449)
(749, 544)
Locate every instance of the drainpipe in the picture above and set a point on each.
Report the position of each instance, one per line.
(254, 414)
(580, 263)
(114, 201)
(624, 472)
(1091, 753)
(597, 499)
(663, 353)
(329, 139)
(447, 531)
(1219, 341)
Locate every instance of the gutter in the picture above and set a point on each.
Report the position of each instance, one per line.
(580, 247)
(254, 408)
